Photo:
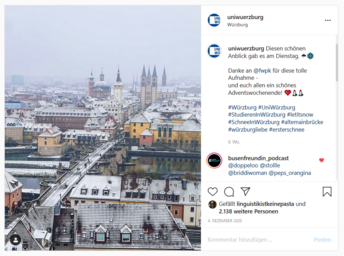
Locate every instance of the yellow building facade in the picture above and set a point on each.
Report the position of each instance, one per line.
(76, 201)
(134, 127)
(178, 133)
(192, 215)
(49, 143)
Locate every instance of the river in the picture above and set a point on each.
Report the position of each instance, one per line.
(28, 182)
(165, 165)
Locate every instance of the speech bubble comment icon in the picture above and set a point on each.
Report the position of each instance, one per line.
(229, 191)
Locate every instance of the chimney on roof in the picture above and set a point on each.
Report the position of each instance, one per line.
(167, 185)
(184, 184)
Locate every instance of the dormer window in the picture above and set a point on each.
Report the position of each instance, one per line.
(155, 196)
(100, 237)
(176, 197)
(125, 238)
(162, 195)
(126, 234)
(106, 192)
(128, 194)
(135, 194)
(83, 190)
(142, 194)
(192, 198)
(95, 191)
(100, 233)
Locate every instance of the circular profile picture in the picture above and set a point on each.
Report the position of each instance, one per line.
(214, 160)
(15, 239)
(212, 204)
(214, 51)
(214, 20)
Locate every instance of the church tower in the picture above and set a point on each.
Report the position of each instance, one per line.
(90, 84)
(118, 88)
(164, 78)
(149, 77)
(102, 76)
(143, 89)
(154, 85)
(133, 89)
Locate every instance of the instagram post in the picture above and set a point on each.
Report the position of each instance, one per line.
(207, 127)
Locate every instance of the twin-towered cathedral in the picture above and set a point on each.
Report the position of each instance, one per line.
(149, 87)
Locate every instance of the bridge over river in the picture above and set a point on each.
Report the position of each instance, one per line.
(59, 191)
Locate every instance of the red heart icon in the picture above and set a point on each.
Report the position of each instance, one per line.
(287, 92)
(321, 160)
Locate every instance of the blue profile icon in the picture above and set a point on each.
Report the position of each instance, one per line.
(214, 51)
(214, 20)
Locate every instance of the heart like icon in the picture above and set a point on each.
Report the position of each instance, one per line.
(321, 160)
(212, 191)
(287, 92)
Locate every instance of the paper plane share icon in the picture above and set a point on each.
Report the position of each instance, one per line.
(245, 189)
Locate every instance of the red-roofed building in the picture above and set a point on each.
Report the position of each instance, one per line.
(13, 193)
(146, 139)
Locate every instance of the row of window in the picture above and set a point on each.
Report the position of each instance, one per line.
(175, 160)
(13, 134)
(106, 192)
(63, 119)
(83, 202)
(168, 197)
(66, 114)
(35, 129)
(99, 237)
(11, 124)
(125, 237)
(164, 130)
(168, 96)
(175, 142)
(193, 142)
(135, 194)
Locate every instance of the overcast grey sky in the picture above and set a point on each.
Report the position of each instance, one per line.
(68, 41)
